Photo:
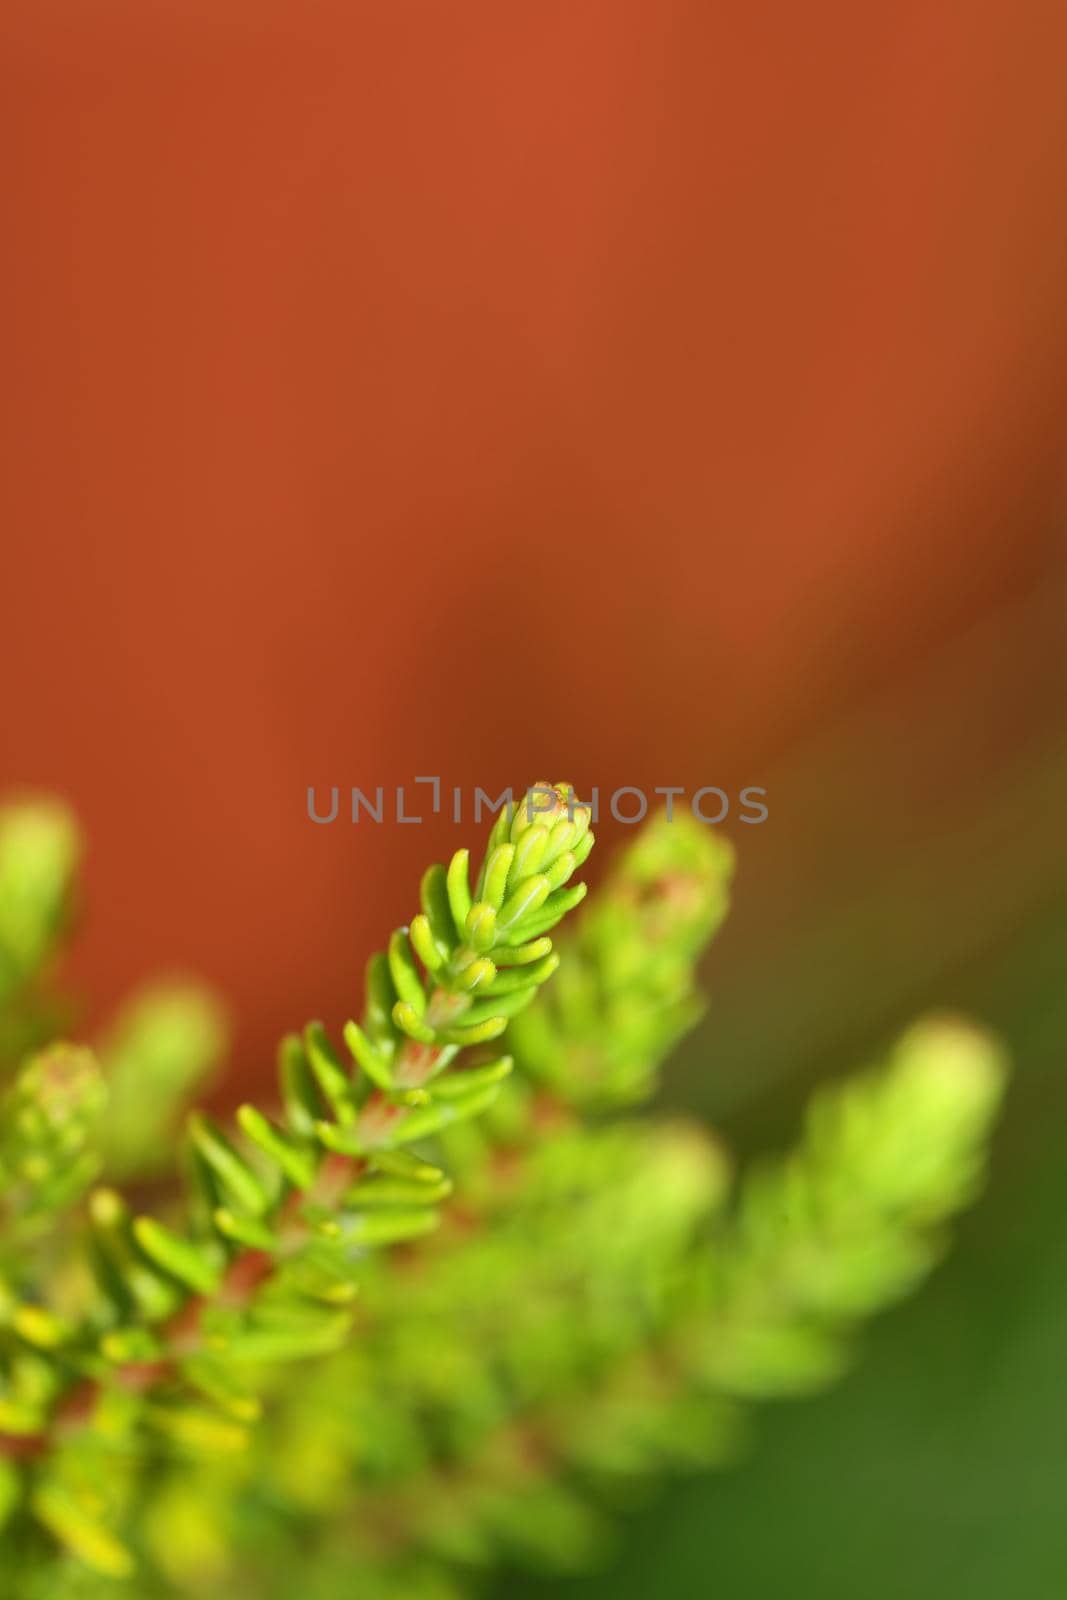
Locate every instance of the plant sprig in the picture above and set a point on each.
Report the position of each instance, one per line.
(264, 1263)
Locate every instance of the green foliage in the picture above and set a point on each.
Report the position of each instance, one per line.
(247, 1390)
(853, 1219)
(39, 853)
(47, 1120)
(166, 1041)
(627, 992)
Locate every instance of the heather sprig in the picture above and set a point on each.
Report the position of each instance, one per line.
(182, 1313)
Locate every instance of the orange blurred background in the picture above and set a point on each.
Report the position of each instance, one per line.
(638, 394)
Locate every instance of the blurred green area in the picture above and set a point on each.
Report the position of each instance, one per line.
(918, 860)
(164, 1041)
(40, 850)
(938, 1467)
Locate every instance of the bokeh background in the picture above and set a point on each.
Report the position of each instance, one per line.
(638, 394)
